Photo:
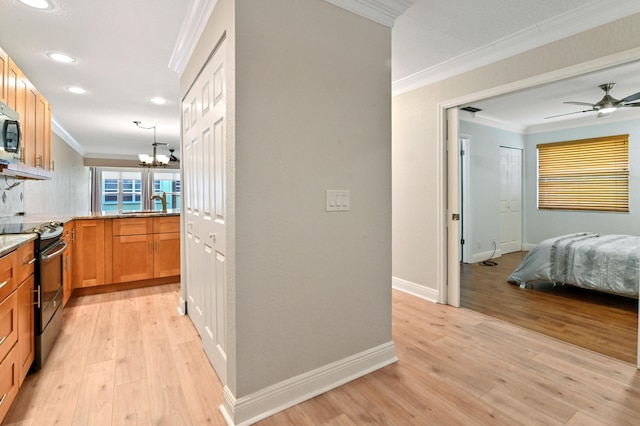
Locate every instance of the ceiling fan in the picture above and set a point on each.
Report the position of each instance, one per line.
(607, 104)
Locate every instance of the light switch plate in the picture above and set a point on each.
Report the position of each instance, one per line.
(338, 200)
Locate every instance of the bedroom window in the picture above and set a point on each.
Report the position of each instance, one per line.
(587, 174)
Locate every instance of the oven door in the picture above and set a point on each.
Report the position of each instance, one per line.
(50, 281)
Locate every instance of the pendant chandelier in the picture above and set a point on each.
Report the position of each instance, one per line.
(155, 160)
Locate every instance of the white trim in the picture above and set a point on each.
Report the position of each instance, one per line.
(441, 203)
(465, 167)
(192, 28)
(528, 247)
(66, 136)
(383, 12)
(270, 400)
(415, 289)
(552, 76)
(577, 20)
(486, 255)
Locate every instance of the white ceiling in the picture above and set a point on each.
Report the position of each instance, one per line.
(123, 50)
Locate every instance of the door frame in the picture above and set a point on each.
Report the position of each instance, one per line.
(447, 180)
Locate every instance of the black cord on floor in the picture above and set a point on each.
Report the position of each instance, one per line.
(489, 262)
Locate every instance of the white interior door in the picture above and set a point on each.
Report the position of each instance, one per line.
(204, 110)
(510, 200)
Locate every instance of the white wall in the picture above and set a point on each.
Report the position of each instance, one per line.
(542, 224)
(418, 172)
(67, 193)
(309, 87)
(483, 217)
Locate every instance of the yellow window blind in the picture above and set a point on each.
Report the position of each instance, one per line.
(587, 174)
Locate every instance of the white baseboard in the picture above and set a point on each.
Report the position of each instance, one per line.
(415, 289)
(268, 401)
(182, 306)
(528, 247)
(481, 257)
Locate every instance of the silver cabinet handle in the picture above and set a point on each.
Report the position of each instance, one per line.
(3, 339)
(32, 261)
(4, 283)
(2, 399)
(37, 302)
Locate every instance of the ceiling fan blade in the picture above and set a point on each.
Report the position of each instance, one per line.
(579, 103)
(631, 98)
(636, 104)
(603, 114)
(569, 113)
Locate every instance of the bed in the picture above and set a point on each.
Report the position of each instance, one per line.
(602, 262)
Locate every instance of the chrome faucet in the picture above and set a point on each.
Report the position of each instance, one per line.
(163, 199)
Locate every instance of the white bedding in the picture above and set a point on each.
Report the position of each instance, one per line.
(603, 262)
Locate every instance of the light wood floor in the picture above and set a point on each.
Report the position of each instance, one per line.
(602, 322)
(128, 358)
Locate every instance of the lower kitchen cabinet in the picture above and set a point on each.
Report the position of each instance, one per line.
(145, 248)
(89, 253)
(26, 327)
(17, 328)
(68, 236)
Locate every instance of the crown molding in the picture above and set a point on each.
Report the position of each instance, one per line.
(66, 136)
(383, 12)
(556, 28)
(194, 24)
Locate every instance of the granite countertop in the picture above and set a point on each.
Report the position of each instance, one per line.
(11, 242)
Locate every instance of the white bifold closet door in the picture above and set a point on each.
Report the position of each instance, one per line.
(204, 174)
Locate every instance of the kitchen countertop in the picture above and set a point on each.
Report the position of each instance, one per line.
(11, 242)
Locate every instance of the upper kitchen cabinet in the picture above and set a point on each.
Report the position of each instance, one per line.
(35, 118)
(4, 72)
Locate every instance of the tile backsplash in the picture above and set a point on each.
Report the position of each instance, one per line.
(11, 195)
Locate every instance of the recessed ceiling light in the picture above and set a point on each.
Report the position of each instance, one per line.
(38, 4)
(77, 90)
(158, 101)
(61, 57)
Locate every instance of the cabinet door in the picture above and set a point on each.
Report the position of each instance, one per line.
(26, 327)
(67, 255)
(8, 381)
(8, 324)
(132, 258)
(166, 262)
(89, 253)
(4, 75)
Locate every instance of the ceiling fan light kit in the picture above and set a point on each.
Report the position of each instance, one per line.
(606, 105)
(155, 160)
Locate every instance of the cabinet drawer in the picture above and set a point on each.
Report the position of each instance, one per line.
(8, 382)
(8, 324)
(8, 278)
(164, 224)
(26, 259)
(133, 226)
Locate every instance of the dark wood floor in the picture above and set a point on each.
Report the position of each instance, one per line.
(601, 322)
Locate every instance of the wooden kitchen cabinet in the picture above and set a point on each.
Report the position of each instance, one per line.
(25, 257)
(68, 233)
(35, 118)
(166, 261)
(143, 248)
(89, 253)
(4, 74)
(17, 327)
(132, 249)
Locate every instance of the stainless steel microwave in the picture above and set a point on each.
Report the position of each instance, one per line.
(10, 135)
